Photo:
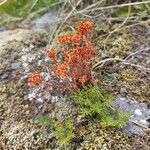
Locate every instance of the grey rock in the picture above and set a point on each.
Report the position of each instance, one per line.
(4, 76)
(139, 57)
(111, 75)
(15, 65)
(139, 113)
(132, 129)
(46, 20)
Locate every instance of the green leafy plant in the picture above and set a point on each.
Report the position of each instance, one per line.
(139, 9)
(64, 131)
(20, 9)
(91, 101)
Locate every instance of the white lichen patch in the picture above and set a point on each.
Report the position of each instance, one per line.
(21, 136)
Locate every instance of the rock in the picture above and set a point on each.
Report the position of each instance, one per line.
(46, 20)
(4, 76)
(132, 129)
(139, 113)
(111, 75)
(139, 57)
(15, 65)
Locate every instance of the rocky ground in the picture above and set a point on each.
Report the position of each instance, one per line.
(23, 51)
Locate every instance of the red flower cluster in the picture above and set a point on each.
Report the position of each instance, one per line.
(51, 53)
(34, 79)
(84, 27)
(78, 54)
(72, 38)
(61, 70)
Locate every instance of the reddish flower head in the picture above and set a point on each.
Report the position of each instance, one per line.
(76, 38)
(51, 53)
(84, 27)
(61, 70)
(34, 79)
(64, 39)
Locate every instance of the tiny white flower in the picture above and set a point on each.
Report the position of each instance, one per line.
(138, 112)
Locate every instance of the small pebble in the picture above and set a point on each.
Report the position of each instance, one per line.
(31, 46)
(111, 75)
(15, 65)
(139, 57)
(4, 76)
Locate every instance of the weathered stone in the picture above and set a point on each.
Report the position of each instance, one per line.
(138, 112)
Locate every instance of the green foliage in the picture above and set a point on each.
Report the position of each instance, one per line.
(22, 8)
(140, 9)
(122, 12)
(92, 101)
(64, 131)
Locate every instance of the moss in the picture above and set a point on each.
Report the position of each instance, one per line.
(121, 46)
(100, 137)
(135, 84)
